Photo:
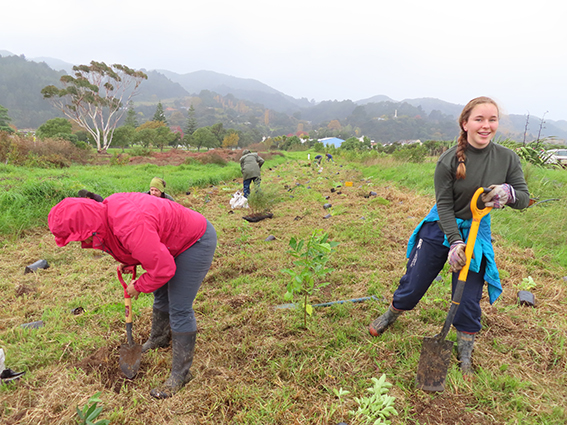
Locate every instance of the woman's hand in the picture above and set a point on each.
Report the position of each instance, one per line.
(457, 257)
(499, 196)
(132, 291)
(124, 269)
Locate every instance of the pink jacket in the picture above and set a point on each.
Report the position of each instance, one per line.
(136, 229)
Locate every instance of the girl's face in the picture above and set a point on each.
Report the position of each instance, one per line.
(481, 125)
(155, 192)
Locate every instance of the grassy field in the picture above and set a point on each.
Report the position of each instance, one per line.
(256, 364)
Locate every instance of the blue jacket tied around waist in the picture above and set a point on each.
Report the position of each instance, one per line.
(482, 248)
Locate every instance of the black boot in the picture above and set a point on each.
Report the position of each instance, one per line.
(160, 335)
(465, 344)
(182, 358)
(378, 326)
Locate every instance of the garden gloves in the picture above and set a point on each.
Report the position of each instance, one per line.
(499, 196)
(457, 258)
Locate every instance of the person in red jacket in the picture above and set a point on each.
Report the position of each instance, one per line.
(173, 244)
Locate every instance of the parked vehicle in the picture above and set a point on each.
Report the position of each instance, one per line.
(557, 156)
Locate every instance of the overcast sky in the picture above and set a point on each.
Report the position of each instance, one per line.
(512, 50)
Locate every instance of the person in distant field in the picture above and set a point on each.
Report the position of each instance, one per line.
(157, 188)
(318, 159)
(174, 246)
(475, 161)
(250, 164)
(329, 157)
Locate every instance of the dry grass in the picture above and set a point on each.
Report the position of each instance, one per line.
(255, 364)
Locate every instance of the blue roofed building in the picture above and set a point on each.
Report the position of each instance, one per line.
(335, 141)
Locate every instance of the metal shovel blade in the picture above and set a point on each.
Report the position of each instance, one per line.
(433, 364)
(130, 356)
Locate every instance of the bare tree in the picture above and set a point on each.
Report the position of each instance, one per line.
(526, 128)
(541, 127)
(94, 97)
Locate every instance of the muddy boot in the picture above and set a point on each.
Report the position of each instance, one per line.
(465, 344)
(378, 326)
(182, 358)
(160, 335)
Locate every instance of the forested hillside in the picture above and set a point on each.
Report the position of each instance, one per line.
(258, 110)
(21, 82)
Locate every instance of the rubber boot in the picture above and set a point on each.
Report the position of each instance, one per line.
(182, 358)
(465, 344)
(160, 336)
(378, 326)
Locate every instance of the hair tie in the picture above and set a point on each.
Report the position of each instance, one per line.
(461, 161)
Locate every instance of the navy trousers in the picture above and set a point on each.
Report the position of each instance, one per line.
(177, 295)
(246, 185)
(426, 260)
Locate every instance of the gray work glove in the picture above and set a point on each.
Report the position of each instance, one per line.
(457, 258)
(499, 196)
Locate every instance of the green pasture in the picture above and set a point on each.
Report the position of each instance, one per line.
(256, 364)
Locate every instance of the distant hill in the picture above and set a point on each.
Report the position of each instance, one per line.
(56, 64)
(241, 88)
(245, 102)
(158, 87)
(429, 104)
(21, 82)
(374, 99)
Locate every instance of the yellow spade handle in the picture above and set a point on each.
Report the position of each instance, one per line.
(477, 214)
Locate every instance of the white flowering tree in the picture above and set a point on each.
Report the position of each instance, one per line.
(94, 97)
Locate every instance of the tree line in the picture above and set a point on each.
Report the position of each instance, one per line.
(98, 101)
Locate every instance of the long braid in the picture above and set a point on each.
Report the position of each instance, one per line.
(462, 142)
(461, 156)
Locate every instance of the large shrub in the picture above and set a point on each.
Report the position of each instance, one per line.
(49, 153)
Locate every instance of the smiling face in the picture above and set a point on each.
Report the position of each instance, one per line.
(481, 125)
(155, 192)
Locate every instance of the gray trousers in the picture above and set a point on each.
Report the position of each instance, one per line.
(177, 295)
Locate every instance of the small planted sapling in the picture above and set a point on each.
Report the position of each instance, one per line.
(89, 413)
(310, 267)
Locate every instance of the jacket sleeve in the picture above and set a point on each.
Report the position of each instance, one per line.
(260, 160)
(443, 180)
(145, 245)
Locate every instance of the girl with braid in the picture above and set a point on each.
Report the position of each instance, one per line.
(474, 162)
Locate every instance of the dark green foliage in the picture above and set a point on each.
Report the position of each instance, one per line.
(411, 153)
(20, 90)
(353, 143)
(192, 124)
(4, 120)
(57, 127)
(131, 118)
(204, 137)
(159, 115)
(123, 136)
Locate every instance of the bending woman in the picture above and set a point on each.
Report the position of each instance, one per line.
(173, 244)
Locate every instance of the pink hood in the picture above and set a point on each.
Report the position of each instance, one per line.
(135, 228)
(75, 219)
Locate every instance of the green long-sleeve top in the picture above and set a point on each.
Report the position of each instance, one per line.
(495, 164)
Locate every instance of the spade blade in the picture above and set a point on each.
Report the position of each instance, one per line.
(130, 356)
(433, 364)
